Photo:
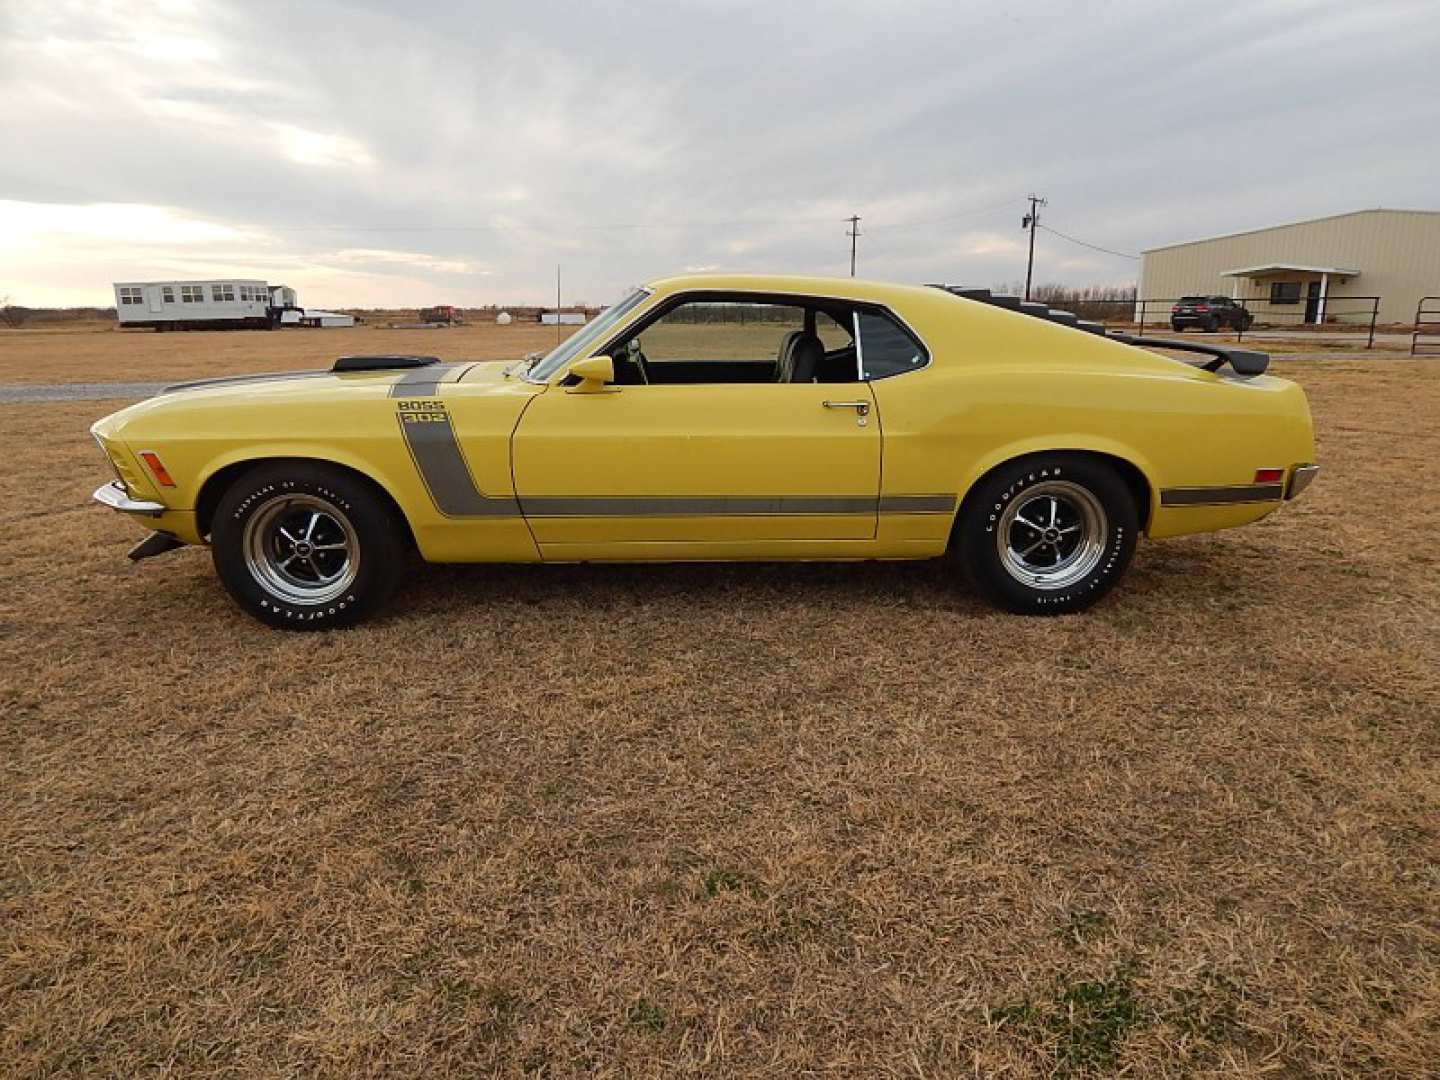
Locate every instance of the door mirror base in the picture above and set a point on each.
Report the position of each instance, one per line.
(595, 374)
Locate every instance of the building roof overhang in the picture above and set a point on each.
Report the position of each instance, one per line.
(1281, 268)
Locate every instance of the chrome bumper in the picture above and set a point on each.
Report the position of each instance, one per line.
(1301, 477)
(117, 498)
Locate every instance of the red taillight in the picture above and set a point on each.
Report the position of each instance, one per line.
(1175, 309)
(157, 468)
(1269, 476)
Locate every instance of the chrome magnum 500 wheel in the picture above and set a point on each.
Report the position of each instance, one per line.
(306, 546)
(1048, 534)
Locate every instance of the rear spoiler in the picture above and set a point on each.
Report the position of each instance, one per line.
(1246, 362)
(382, 363)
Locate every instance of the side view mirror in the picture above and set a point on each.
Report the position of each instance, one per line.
(594, 373)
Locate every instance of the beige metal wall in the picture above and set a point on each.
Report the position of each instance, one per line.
(1396, 251)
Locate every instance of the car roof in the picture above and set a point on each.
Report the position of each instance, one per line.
(843, 288)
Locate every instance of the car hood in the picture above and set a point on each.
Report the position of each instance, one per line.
(423, 379)
(306, 389)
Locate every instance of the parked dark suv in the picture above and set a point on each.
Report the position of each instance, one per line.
(1209, 313)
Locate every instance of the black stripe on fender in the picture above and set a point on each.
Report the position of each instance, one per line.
(1220, 496)
(431, 441)
(422, 381)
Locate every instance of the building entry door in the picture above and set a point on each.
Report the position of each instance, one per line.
(1312, 302)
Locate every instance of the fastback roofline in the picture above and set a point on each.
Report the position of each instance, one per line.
(1246, 362)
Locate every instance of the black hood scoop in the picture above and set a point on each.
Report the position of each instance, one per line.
(382, 363)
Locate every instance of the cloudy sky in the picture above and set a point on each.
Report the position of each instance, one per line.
(378, 154)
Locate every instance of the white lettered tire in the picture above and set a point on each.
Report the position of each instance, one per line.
(1048, 534)
(306, 546)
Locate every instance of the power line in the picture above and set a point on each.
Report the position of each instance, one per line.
(1008, 203)
(620, 226)
(1092, 247)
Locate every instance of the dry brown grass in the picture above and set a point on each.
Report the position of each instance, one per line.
(761, 821)
(110, 355)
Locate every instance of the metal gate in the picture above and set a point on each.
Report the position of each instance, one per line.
(1425, 339)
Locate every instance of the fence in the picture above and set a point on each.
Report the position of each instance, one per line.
(1359, 313)
(1427, 325)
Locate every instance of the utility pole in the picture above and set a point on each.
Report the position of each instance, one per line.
(557, 303)
(1030, 221)
(853, 233)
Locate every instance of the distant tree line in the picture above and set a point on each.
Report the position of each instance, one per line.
(14, 316)
(1099, 303)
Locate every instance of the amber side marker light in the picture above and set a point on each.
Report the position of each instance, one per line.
(156, 467)
(1269, 476)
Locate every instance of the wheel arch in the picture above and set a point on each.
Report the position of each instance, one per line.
(219, 480)
(1136, 477)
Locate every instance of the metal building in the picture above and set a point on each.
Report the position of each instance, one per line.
(1309, 271)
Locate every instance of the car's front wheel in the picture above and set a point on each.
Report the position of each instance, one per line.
(1048, 534)
(306, 546)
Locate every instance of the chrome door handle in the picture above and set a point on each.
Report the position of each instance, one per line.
(861, 407)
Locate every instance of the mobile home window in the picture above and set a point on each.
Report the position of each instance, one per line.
(130, 296)
(192, 294)
(222, 293)
(168, 294)
(1284, 292)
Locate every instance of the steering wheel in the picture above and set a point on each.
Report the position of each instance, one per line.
(634, 353)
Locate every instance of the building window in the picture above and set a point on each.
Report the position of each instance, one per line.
(222, 293)
(192, 294)
(130, 295)
(168, 293)
(1284, 292)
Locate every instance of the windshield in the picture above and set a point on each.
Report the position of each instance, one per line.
(577, 344)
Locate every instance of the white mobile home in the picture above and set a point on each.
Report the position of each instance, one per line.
(230, 304)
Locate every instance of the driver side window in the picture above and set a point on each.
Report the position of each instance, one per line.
(740, 341)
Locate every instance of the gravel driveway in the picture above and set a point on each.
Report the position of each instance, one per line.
(103, 391)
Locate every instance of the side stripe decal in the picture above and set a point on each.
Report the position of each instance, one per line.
(430, 438)
(1218, 496)
(442, 466)
(732, 506)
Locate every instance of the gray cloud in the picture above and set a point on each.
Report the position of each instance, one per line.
(444, 151)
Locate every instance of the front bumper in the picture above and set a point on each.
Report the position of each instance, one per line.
(117, 498)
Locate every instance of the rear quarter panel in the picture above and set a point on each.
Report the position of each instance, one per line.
(1002, 385)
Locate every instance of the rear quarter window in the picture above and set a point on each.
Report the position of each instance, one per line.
(886, 348)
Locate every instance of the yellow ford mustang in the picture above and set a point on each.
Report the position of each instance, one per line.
(720, 417)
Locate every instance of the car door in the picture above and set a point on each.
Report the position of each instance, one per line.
(667, 463)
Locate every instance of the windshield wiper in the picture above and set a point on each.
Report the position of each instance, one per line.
(525, 364)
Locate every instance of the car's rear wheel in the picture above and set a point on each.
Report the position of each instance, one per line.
(1048, 534)
(306, 546)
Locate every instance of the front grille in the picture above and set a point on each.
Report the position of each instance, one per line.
(119, 466)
